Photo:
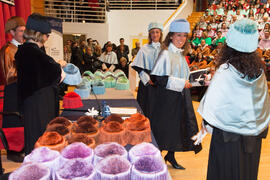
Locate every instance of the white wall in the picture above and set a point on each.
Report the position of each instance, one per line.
(124, 23)
(185, 10)
(127, 23)
(96, 31)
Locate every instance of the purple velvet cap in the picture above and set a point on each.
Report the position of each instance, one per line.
(113, 167)
(143, 149)
(76, 150)
(31, 171)
(148, 164)
(149, 168)
(108, 149)
(76, 169)
(41, 155)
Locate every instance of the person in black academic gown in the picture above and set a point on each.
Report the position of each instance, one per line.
(173, 118)
(143, 64)
(38, 76)
(236, 106)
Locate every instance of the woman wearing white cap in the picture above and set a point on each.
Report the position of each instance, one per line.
(237, 106)
(173, 117)
(143, 64)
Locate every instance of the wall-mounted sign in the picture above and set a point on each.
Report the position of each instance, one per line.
(11, 2)
(54, 45)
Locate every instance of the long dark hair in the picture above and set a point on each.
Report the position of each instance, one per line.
(168, 40)
(249, 64)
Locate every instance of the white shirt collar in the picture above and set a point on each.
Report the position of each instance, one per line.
(174, 49)
(156, 45)
(15, 42)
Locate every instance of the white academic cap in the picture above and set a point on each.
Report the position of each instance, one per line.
(155, 25)
(243, 36)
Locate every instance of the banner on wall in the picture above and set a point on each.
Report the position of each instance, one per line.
(54, 45)
(11, 2)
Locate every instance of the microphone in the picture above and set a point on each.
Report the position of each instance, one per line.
(97, 101)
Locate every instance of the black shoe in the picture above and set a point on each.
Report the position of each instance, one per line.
(15, 156)
(173, 162)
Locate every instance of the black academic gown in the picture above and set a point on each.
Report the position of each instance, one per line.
(38, 76)
(144, 61)
(145, 95)
(173, 117)
(234, 156)
(11, 105)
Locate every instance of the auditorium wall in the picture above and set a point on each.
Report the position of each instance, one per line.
(123, 23)
(98, 31)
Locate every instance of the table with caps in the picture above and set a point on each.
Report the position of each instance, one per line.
(74, 114)
(113, 98)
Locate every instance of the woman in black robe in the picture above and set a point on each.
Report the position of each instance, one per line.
(173, 117)
(143, 64)
(237, 106)
(38, 76)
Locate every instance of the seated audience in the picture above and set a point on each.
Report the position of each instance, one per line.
(123, 65)
(210, 32)
(203, 49)
(207, 39)
(198, 63)
(264, 43)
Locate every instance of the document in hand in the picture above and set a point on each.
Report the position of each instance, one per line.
(197, 77)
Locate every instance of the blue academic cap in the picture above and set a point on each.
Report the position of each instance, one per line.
(180, 25)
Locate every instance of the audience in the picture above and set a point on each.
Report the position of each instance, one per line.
(209, 34)
(122, 51)
(208, 37)
(123, 65)
(108, 59)
(122, 44)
